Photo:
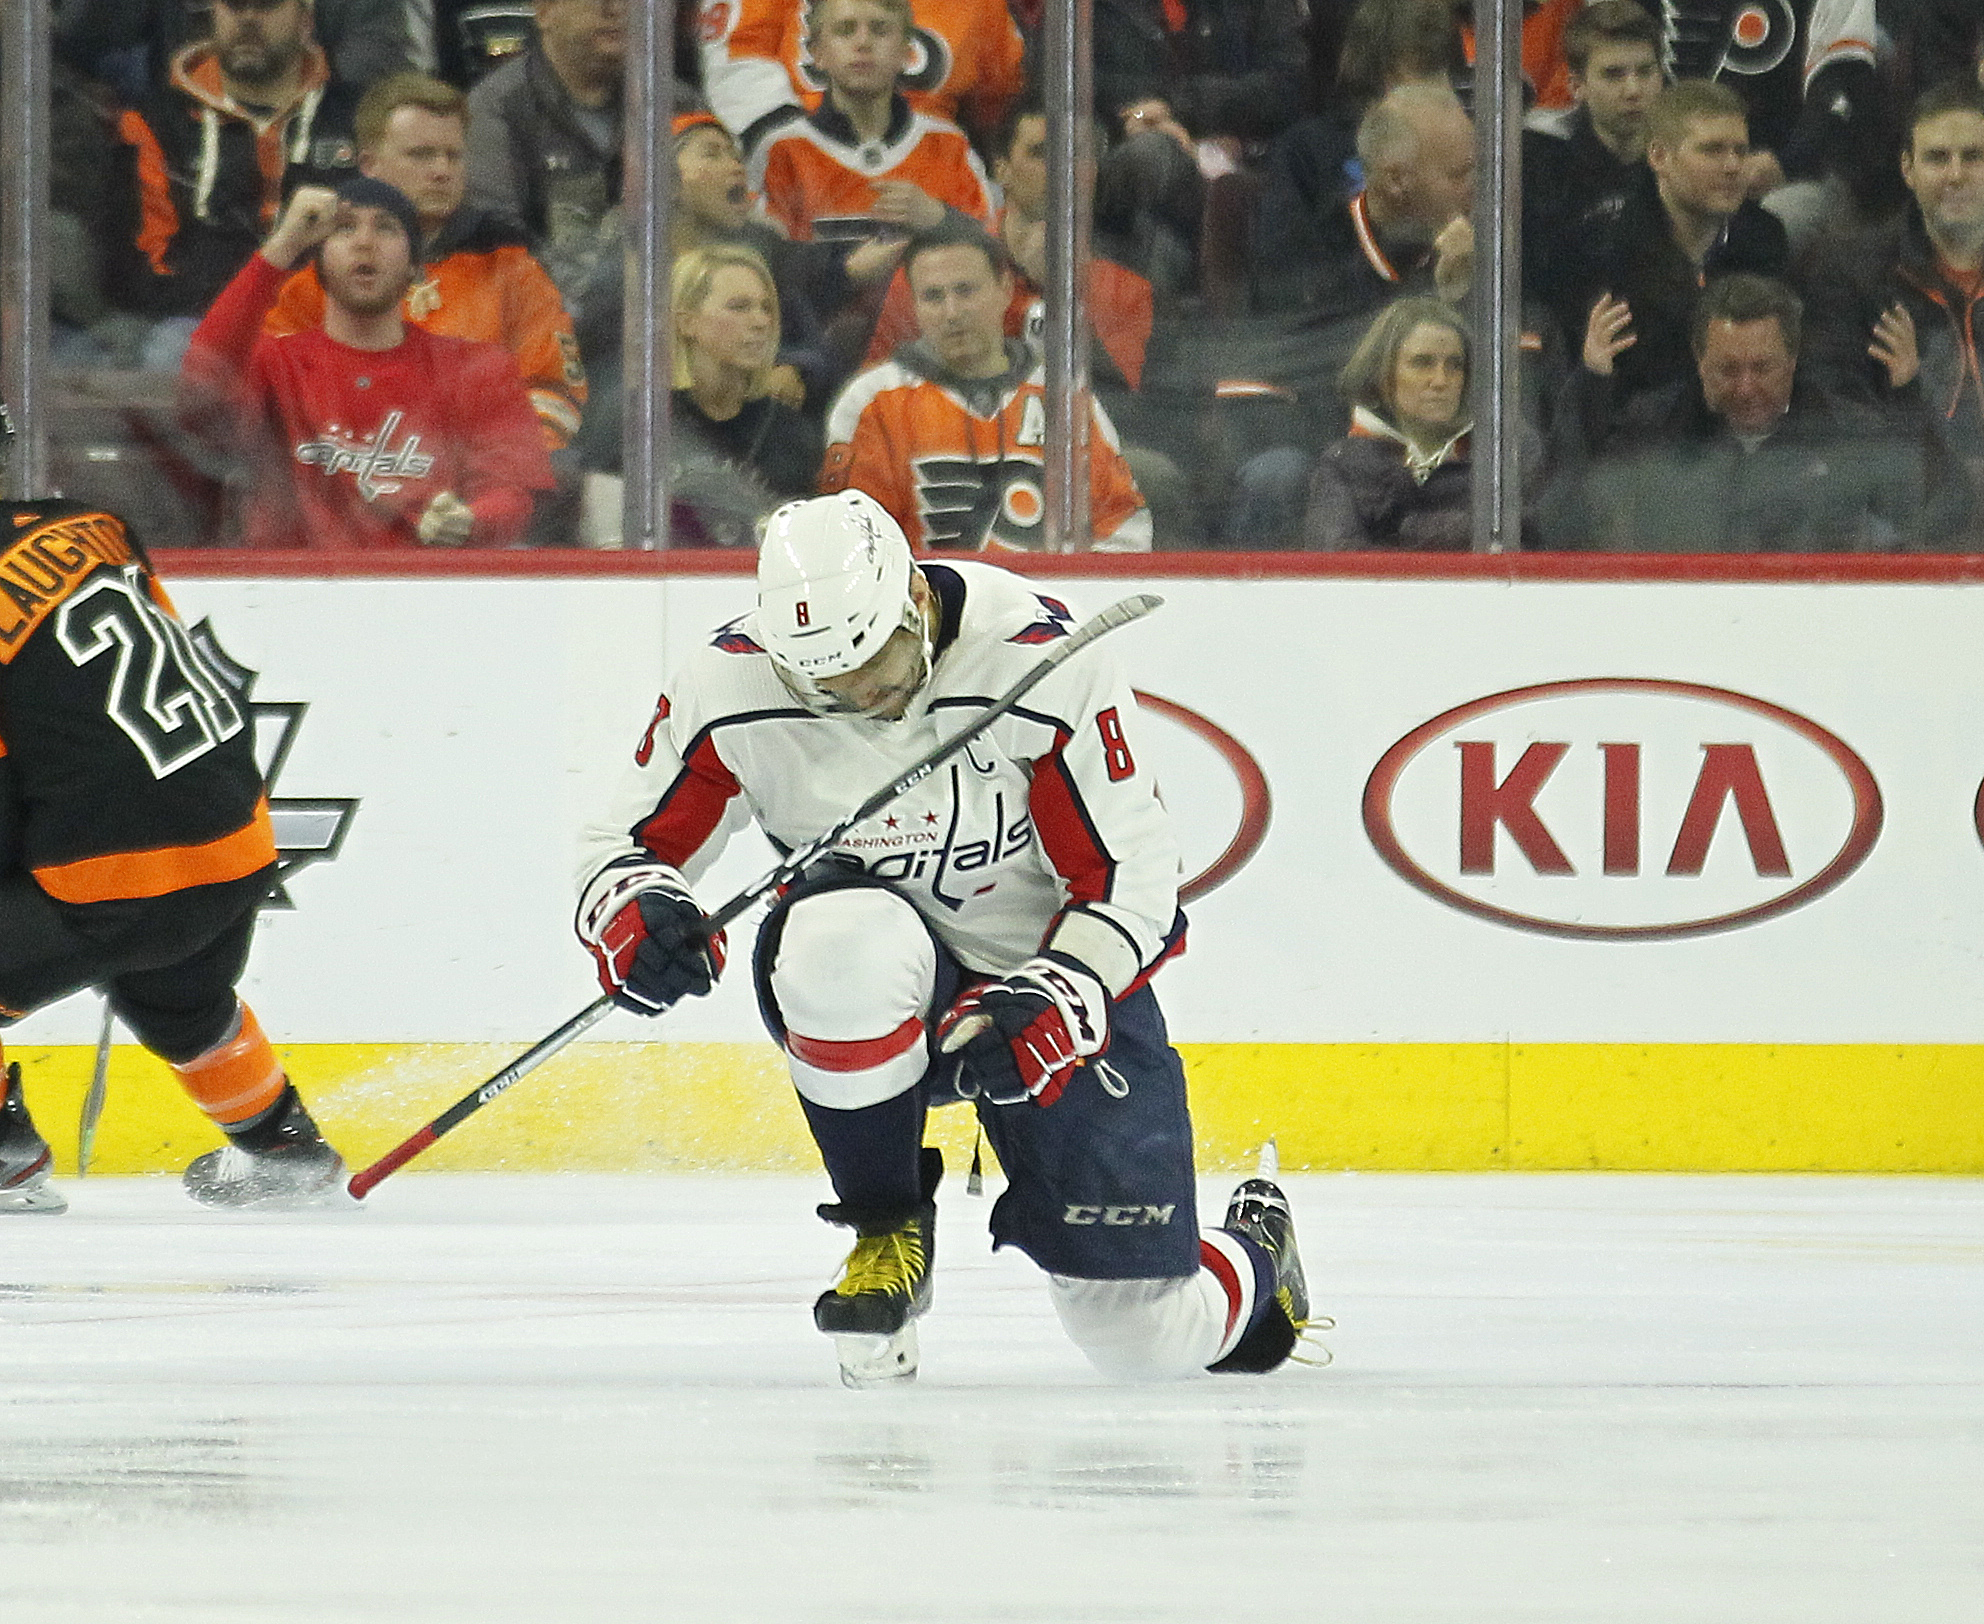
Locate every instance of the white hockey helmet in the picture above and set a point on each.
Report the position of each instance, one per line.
(833, 585)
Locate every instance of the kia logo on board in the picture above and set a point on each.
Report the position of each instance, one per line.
(1255, 807)
(1622, 809)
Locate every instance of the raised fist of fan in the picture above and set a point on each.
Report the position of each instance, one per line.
(651, 944)
(1021, 1038)
(447, 521)
(306, 221)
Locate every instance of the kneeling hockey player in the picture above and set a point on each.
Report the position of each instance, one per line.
(989, 936)
(135, 849)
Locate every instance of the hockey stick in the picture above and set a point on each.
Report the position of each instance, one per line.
(93, 1100)
(1131, 608)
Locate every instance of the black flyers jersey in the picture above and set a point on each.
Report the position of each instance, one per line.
(1771, 52)
(127, 765)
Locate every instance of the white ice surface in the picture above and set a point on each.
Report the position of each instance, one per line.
(1556, 1400)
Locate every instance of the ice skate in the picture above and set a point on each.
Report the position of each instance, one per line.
(884, 1287)
(296, 1169)
(1259, 1210)
(25, 1159)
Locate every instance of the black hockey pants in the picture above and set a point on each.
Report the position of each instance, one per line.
(168, 963)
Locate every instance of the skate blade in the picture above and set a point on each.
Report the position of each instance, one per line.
(1270, 1167)
(34, 1198)
(333, 1194)
(877, 1361)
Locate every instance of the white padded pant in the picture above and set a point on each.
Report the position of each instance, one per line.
(1160, 1330)
(854, 977)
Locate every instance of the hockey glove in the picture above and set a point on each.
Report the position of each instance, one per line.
(650, 942)
(1022, 1038)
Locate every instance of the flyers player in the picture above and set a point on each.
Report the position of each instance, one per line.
(989, 936)
(135, 849)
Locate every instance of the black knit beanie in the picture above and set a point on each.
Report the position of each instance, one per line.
(366, 193)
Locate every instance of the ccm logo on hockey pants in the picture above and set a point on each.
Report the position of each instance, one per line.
(1118, 1217)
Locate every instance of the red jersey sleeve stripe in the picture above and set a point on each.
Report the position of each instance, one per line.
(689, 812)
(1067, 833)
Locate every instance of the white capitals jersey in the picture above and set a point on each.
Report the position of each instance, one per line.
(1044, 831)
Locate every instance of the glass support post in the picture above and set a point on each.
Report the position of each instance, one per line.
(1066, 41)
(1497, 294)
(24, 160)
(646, 198)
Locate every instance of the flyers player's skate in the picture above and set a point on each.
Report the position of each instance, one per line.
(25, 1159)
(884, 1288)
(1259, 1210)
(277, 1163)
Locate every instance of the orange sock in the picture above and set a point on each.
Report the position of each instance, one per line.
(238, 1079)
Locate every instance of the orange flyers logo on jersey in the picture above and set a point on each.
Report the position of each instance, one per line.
(966, 60)
(952, 477)
(813, 184)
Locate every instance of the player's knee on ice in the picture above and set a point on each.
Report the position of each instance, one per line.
(852, 979)
(1144, 1330)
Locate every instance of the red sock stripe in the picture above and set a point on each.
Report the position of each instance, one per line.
(859, 1054)
(1211, 1257)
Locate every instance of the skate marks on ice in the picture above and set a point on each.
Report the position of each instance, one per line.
(1557, 1400)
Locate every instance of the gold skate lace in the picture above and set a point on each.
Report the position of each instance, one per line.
(1307, 1331)
(888, 1264)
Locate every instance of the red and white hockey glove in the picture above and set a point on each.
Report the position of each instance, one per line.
(1022, 1038)
(650, 942)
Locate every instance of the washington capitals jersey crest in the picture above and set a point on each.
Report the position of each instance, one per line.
(1056, 622)
(733, 639)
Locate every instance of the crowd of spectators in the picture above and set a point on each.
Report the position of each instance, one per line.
(371, 243)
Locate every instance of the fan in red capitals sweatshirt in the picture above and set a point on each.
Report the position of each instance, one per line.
(343, 447)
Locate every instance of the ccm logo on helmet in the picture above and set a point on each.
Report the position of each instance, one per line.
(1622, 809)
